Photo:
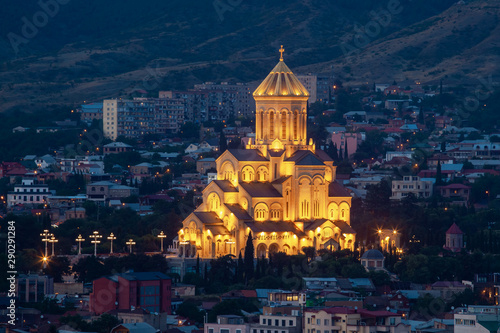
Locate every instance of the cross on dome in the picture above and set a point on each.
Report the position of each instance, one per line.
(281, 50)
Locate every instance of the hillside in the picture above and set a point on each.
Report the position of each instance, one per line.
(90, 50)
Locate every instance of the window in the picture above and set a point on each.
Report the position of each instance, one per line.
(283, 323)
(238, 331)
(210, 330)
(263, 321)
(290, 322)
(318, 321)
(326, 322)
(276, 322)
(392, 321)
(224, 330)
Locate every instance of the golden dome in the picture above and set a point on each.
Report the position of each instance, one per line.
(281, 82)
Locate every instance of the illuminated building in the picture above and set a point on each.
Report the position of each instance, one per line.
(281, 188)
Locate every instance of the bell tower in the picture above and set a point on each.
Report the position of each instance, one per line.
(281, 112)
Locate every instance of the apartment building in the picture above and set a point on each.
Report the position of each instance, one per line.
(214, 102)
(140, 116)
(28, 193)
(411, 185)
(477, 318)
(343, 320)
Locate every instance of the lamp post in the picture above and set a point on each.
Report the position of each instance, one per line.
(161, 236)
(130, 243)
(53, 240)
(80, 240)
(111, 237)
(45, 238)
(95, 240)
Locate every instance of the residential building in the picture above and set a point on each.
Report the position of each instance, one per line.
(90, 112)
(149, 290)
(134, 328)
(105, 190)
(140, 116)
(34, 287)
(478, 319)
(116, 148)
(227, 324)
(28, 193)
(214, 102)
(203, 165)
(411, 185)
(278, 323)
(281, 189)
(342, 319)
(319, 86)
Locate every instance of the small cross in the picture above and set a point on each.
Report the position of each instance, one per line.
(281, 52)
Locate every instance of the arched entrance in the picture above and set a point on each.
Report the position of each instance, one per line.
(261, 250)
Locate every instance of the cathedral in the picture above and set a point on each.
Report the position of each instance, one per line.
(280, 189)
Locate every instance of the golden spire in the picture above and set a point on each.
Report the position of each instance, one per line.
(281, 50)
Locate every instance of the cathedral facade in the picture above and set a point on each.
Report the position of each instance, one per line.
(280, 188)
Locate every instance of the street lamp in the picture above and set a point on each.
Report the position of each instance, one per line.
(95, 240)
(161, 236)
(80, 240)
(45, 238)
(53, 240)
(130, 243)
(111, 237)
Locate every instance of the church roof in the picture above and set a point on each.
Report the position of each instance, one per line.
(346, 228)
(247, 154)
(238, 211)
(281, 180)
(217, 229)
(454, 230)
(276, 153)
(343, 226)
(323, 155)
(225, 185)
(305, 157)
(207, 217)
(281, 82)
(337, 190)
(260, 190)
(274, 226)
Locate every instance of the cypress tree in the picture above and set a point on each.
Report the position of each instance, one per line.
(248, 260)
(346, 154)
(222, 142)
(335, 153)
(439, 176)
(239, 269)
(198, 265)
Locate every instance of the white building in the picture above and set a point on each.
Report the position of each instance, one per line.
(28, 193)
(411, 184)
(478, 318)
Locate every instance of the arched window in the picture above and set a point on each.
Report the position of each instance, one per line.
(271, 124)
(295, 125)
(283, 125)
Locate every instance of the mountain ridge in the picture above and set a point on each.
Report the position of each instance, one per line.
(175, 47)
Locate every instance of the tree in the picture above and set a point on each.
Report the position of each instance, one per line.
(439, 175)
(346, 153)
(222, 142)
(249, 256)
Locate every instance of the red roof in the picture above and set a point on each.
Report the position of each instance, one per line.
(454, 230)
